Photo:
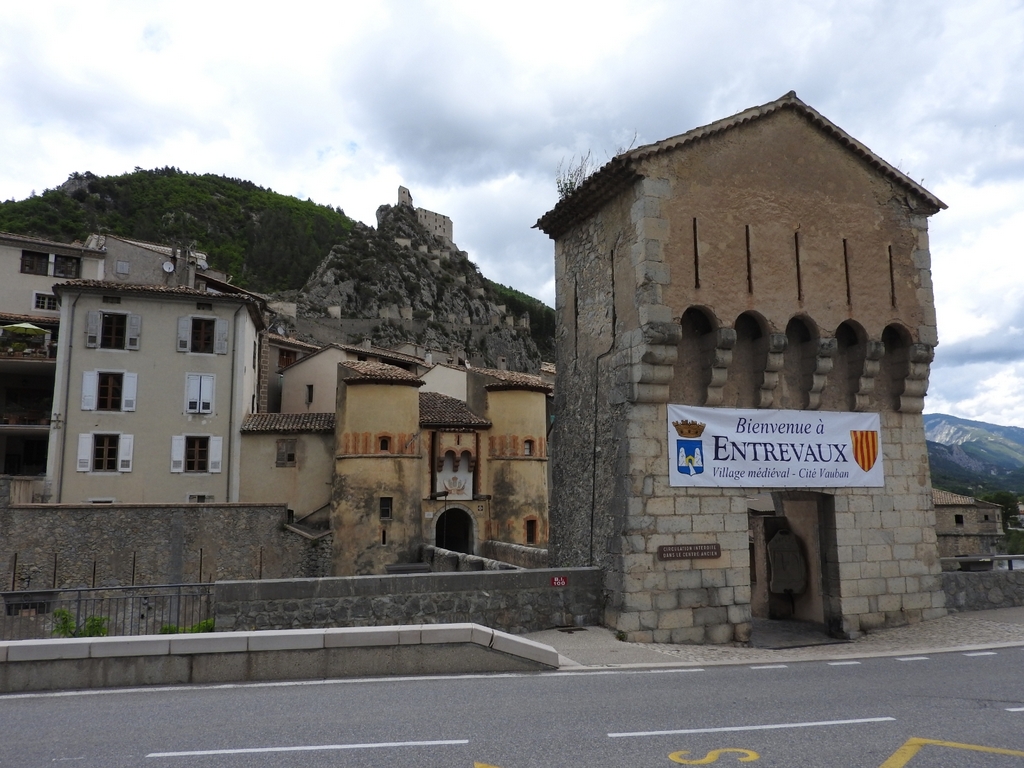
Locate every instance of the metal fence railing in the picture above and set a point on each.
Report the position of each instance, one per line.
(142, 610)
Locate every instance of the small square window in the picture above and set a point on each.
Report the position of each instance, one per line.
(958, 519)
(122, 268)
(67, 266)
(386, 503)
(34, 263)
(200, 498)
(46, 301)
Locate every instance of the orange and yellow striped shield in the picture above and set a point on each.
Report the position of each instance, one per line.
(865, 448)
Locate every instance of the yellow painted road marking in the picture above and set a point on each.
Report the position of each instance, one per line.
(912, 746)
(713, 755)
(484, 765)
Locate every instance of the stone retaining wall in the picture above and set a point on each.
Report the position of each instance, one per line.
(106, 545)
(982, 590)
(513, 601)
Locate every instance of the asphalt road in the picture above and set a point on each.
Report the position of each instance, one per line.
(862, 714)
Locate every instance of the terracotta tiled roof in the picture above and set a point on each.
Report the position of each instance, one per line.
(622, 170)
(548, 368)
(49, 246)
(389, 354)
(367, 372)
(176, 291)
(6, 318)
(288, 422)
(277, 339)
(947, 499)
(437, 410)
(513, 380)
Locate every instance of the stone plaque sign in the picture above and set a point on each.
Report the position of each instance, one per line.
(689, 551)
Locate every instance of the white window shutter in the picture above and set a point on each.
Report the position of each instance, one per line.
(134, 332)
(129, 391)
(206, 394)
(92, 329)
(124, 453)
(90, 380)
(220, 337)
(216, 447)
(193, 388)
(84, 453)
(178, 453)
(184, 333)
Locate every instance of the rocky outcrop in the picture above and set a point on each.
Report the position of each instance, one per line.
(416, 288)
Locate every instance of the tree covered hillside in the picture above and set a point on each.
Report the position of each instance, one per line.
(268, 241)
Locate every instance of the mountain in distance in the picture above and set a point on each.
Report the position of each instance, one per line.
(974, 457)
(282, 246)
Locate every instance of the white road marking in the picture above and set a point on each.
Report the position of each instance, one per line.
(1015, 709)
(982, 653)
(843, 663)
(774, 727)
(911, 658)
(769, 666)
(314, 748)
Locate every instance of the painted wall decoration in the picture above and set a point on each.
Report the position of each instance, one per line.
(737, 448)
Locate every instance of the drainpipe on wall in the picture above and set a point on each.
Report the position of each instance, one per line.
(65, 374)
(233, 450)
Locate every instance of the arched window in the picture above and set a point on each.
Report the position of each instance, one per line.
(696, 354)
(895, 367)
(527, 447)
(385, 445)
(799, 362)
(749, 358)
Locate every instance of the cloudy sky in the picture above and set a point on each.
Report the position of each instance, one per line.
(472, 105)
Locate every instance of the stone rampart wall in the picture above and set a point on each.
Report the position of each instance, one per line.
(447, 561)
(513, 601)
(515, 554)
(71, 545)
(982, 590)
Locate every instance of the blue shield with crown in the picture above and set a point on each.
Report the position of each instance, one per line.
(690, 455)
(689, 448)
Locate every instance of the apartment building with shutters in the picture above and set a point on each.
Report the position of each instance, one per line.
(151, 389)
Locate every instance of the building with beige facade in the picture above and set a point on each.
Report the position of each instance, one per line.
(29, 267)
(415, 467)
(152, 388)
(769, 270)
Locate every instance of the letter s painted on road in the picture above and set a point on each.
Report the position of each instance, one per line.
(713, 755)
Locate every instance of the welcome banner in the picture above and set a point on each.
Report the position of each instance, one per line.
(726, 447)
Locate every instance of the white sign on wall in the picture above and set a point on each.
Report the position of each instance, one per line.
(736, 448)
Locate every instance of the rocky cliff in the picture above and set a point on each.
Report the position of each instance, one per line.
(399, 283)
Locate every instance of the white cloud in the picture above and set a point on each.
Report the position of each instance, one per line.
(472, 105)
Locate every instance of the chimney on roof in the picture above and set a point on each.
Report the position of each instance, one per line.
(502, 364)
(428, 359)
(366, 344)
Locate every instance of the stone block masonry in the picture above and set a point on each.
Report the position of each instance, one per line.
(512, 601)
(64, 545)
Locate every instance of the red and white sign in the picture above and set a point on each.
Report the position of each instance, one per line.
(559, 581)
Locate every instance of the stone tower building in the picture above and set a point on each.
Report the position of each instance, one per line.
(766, 272)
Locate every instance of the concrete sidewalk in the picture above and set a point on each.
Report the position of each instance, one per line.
(597, 647)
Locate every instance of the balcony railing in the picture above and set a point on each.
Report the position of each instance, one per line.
(45, 352)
